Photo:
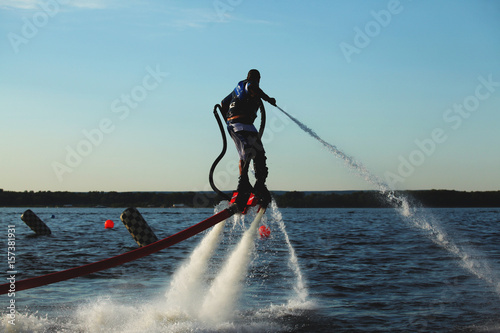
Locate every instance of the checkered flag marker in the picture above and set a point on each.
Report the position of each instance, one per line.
(138, 227)
(34, 222)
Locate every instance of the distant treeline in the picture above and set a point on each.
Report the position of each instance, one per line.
(373, 199)
(352, 199)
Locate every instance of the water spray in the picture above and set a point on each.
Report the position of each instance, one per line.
(187, 283)
(220, 301)
(426, 222)
(382, 187)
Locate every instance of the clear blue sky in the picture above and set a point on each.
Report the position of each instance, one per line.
(115, 95)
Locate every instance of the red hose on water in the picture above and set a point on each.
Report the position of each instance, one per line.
(15, 286)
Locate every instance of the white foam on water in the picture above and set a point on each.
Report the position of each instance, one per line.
(105, 315)
(24, 323)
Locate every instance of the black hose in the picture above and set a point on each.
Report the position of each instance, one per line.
(262, 120)
(221, 155)
(224, 146)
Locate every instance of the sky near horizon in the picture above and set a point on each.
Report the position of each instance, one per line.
(109, 95)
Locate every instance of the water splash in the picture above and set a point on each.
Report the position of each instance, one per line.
(416, 217)
(24, 322)
(301, 291)
(187, 283)
(220, 300)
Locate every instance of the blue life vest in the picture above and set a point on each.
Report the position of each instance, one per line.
(243, 107)
(241, 90)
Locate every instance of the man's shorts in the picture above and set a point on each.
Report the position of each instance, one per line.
(247, 143)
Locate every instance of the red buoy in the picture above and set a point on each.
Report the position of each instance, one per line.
(109, 224)
(264, 231)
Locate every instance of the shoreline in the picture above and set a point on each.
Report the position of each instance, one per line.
(284, 199)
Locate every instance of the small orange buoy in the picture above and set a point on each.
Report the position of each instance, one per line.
(264, 231)
(109, 224)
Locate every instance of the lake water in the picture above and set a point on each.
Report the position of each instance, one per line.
(321, 270)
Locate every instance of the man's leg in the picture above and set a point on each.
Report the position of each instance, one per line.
(261, 172)
(244, 188)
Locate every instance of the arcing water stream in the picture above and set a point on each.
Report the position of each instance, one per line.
(416, 217)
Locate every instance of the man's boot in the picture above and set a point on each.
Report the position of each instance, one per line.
(244, 190)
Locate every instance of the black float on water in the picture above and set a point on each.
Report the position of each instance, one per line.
(138, 227)
(34, 222)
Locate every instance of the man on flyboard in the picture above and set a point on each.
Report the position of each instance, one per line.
(241, 107)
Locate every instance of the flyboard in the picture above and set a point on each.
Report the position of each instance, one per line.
(252, 202)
